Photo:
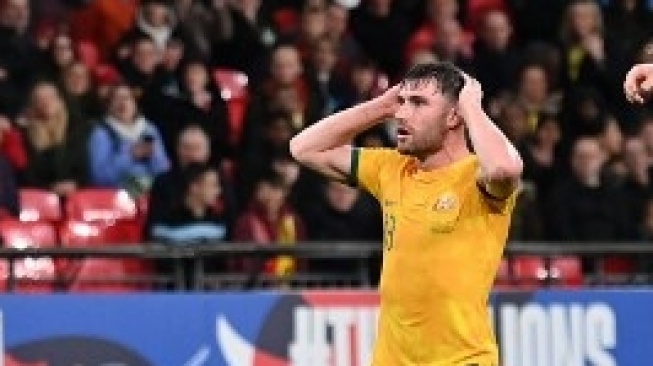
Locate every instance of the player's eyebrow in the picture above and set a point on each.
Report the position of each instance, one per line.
(417, 99)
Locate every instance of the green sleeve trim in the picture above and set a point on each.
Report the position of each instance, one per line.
(353, 173)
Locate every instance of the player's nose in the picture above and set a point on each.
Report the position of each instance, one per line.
(402, 114)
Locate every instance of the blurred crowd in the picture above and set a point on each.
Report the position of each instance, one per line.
(124, 94)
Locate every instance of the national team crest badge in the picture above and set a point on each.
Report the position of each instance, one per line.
(445, 202)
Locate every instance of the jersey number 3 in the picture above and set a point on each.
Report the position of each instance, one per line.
(389, 224)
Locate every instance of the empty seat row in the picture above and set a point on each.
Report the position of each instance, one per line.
(91, 274)
(531, 271)
(96, 204)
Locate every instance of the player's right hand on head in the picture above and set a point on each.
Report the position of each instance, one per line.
(638, 85)
(389, 101)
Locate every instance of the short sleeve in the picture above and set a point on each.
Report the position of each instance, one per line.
(366, 167)
(500, 206)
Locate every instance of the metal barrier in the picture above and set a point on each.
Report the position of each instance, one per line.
(361, 253)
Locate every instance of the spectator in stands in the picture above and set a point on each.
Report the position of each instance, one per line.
(171, 63)
(537, 20)
(194, 214)
(245, 44)
(534, 93)
(541, 155)
(80, 93)
(59, 56)
(585, 113)
(272, 143)
(19, 57)
(203, 24)
(9, 200)
(12, 146)
(375, 20)
(584, 208)
(104, 23)
(495, 58)
(627, 21)
(313, 27)
(361, 84)
(155, 19)
(324, 77)
(125, 149)
(141, 70)
(344, 213)
(192, 148)
(347, 48)
(646, 233)
(451, 45)
(514, 122)
(611, 140)
(423, 56)
(592, 60)
(270, 219)
(646, 133)
(287, 89)
(437, 12)
(55, 143)
(198, 102)
(638, 185)
(550, 57)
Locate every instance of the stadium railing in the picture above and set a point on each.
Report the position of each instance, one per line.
(194, 258)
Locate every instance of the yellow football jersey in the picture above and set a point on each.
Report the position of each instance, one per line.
(443, 243)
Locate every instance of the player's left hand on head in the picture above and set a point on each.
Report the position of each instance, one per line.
(471, 95)
(638, 85)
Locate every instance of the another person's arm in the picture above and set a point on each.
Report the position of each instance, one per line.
(501, 165)
(325, 145)
(107, 165)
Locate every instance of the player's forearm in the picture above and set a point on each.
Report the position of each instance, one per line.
(338, 129)
(498, 158)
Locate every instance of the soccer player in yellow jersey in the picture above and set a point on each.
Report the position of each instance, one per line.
(446, 211)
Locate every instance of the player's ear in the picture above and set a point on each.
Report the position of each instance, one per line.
(453, 119)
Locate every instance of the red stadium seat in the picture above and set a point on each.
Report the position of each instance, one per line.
(234, 90)
(233, 84)
(110, 276)
(80, 233)
(143, 205)
(101, 205)
(32, 274)
(503, 279)
(39, 205)
(529, 271)
(103, 274)
(566, 271)
(16, 234)
(618, 269)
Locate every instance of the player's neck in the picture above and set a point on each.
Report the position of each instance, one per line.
(449, 154)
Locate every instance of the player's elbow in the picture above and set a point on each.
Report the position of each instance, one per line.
(511, 169)
(299, 150)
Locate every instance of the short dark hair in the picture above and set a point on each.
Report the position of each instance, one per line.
(192, 173)
(272, 178)
(449, 79)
